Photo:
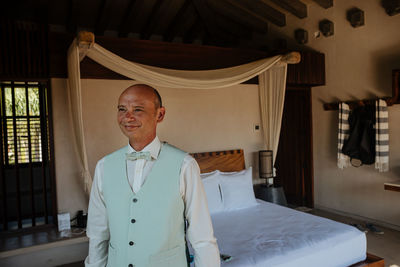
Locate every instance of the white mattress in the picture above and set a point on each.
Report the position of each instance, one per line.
(271, 235)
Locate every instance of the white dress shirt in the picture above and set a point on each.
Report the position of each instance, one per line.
(199, 232)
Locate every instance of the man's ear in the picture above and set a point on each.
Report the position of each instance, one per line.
(161, 114)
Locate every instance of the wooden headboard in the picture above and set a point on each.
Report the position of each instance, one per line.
(226, 160)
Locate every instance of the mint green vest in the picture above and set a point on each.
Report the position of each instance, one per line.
(146, 228)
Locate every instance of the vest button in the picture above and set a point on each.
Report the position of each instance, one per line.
(133, 221)
(134, 200)
(131, 243)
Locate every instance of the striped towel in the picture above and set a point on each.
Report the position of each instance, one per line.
(381, 136)
(344, 129)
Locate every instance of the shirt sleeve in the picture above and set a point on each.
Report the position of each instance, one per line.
(200, 232)
(97, 226)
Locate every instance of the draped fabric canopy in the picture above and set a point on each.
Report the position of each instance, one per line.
(272, 83)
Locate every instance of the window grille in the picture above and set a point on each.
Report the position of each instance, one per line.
(27, 173)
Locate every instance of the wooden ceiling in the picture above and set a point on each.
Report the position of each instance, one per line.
(227, 23)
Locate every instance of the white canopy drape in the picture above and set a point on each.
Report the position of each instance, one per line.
(272, 83)
(272, 97)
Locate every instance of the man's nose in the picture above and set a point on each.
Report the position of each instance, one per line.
(130, 115)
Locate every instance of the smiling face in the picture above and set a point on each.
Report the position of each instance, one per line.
(138, 115)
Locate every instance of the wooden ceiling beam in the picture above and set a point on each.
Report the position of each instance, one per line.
(225, 8)
(209, 20)
(169, 16)
(261, 9)
(136, 17)
(233, 27)
(103, 17)
(296, 7)
(324, 3)
(125, 26)
(214, 41)
(163, 13)
(25, 11)
(196, 31)
(142, 14)
(71, 24)
(182, 22)
(153, 18)
(229, 26)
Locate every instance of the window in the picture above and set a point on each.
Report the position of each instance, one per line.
(27, 174)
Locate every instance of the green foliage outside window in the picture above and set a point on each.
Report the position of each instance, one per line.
(26, 125)
(20, 101)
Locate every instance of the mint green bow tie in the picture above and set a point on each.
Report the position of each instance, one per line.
(138, 155)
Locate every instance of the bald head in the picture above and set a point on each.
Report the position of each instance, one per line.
(145, 89)
(139, 112)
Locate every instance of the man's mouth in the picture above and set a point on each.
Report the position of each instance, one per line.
(131, 127)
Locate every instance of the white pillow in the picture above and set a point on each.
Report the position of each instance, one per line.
(213, 193)
(237, 189)
(207, 174)
(232, 173)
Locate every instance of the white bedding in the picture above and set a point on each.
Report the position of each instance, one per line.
(271, 235)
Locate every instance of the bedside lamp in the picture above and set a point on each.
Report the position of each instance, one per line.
(266, 168)
(268, 192)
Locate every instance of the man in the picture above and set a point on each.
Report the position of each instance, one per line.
(143, 193)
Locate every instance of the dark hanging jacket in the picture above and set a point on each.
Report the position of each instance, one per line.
(361, 142)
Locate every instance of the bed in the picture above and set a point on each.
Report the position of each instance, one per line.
(257, 233)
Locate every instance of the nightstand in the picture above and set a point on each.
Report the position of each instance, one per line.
(270, 193)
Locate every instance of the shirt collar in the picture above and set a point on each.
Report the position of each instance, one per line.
(153, 147)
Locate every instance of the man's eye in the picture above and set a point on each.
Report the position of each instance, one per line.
(138, 110)
(121, 109)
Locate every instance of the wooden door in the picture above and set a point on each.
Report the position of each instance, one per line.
(294, 162)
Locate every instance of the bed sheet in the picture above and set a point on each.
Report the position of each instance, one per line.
(271, 235)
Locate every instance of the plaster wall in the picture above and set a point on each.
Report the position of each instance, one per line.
(196, 121)
(359, 63)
